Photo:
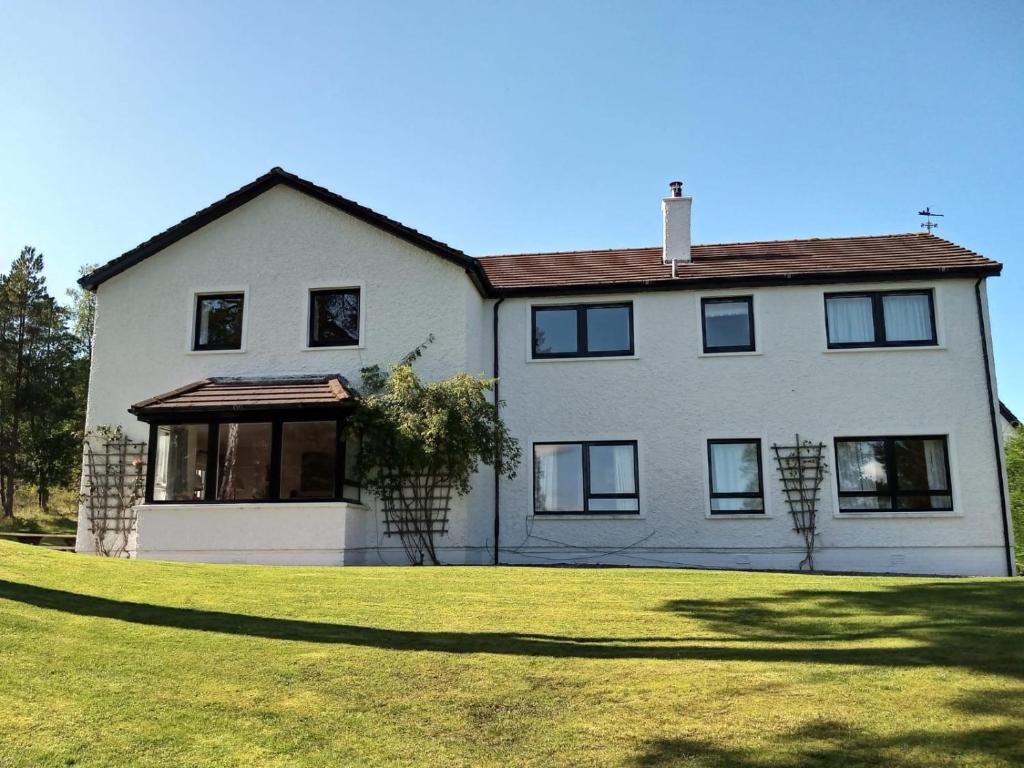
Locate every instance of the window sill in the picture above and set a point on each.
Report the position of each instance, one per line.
(335, 348)
(739, 516)
(215, 351)
(894, 515)
(286, 504)
(749, 353)
(570, 516)
(589, 359)
(930, 348)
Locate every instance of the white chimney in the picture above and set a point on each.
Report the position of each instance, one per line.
(676, 210)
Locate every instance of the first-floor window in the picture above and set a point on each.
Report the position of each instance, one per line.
(893, 474)
(585, 478)
(734, 468)
(218, 321)
(584, 330)
(279, 459)
(880, 319)
(728, 324)
(334, 317)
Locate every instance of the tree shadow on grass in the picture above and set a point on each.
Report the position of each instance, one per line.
(974, 625)
(829, 745)
(967, 625)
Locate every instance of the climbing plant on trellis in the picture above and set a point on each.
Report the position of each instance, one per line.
(114, 483)
(802, 469)
(421, 442)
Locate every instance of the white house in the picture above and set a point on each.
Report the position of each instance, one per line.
(647, 387)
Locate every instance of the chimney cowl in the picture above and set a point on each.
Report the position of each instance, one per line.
(675, 188)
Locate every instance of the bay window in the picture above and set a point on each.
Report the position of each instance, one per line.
(280, 457)
(585, 478)
(901, 474)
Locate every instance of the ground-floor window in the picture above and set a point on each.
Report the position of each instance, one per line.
(585, 478)
(909, 474)
(284, 458)
(734, 469)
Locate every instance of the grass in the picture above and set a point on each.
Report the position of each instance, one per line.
(29, 518)
(122, 663)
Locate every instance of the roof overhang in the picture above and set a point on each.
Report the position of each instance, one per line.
(248, 397)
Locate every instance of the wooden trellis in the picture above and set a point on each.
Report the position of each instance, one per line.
(416, 512)
(802, 469)
(113, 485)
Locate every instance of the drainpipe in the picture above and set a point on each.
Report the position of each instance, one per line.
(995, 426)
(497, 411)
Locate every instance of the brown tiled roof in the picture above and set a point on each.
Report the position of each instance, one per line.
(772, 262)
(236, 394)
(777, 261)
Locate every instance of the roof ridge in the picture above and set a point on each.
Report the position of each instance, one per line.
(711, 245)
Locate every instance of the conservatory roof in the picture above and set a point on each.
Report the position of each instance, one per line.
(249, 394)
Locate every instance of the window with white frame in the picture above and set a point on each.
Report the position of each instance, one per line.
(880, 319)
(585, 478)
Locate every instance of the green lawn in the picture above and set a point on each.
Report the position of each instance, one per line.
(62, 516)
(118, 663)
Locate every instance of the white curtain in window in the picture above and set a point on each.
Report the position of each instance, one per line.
(861, 466)
(733, 468)
(850, 319)
(611, 469)
(908, 317)
(935, 463)
(558, 477)
(726, 309)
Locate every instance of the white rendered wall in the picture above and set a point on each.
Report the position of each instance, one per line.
(276, 248)
(672, 398)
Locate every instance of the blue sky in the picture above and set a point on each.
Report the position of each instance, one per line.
(518, 126)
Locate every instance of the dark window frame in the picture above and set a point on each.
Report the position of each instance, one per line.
(749, 300)
(878, 317)
(892, 471)
(581, 330)
(311, 340)
(276, 418)
(712, 494)
(587, 495)
(198, 319)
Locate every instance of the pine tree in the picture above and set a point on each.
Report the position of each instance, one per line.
(40, 401)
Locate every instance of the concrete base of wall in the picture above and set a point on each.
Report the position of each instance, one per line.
(944, 561)
(267, 534)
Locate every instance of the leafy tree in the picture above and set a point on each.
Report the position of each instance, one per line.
(83, 314)
(40, 398)
(1015, 474)
(421, 442)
